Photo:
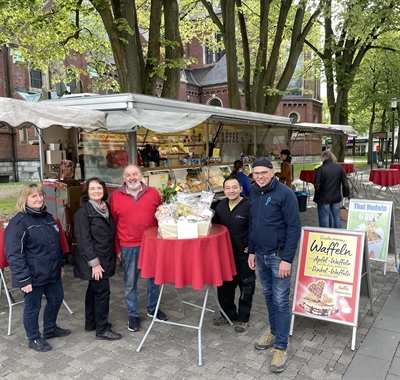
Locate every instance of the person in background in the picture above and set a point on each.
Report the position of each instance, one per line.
(285, 175)
(330, 179)
(133, 207)
(233, 213)
(274, 232)
(95, 256)
(33, 250)
(244, 180)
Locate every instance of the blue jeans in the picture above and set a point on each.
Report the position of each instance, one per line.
(324, 214)
(32, 303)
(130, 259)
(276, 292)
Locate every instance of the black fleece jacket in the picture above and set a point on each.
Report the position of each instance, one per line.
(330, 180)
(237, 222)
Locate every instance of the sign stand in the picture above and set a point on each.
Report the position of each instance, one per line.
(332, 273)
(377, 219)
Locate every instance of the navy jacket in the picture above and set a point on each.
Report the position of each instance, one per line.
(237, 222)
(244, 180)
(33, 249)
(274, 220)
(95, 242)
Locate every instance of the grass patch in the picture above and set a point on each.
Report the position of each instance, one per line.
(16, 183)
(7, 205)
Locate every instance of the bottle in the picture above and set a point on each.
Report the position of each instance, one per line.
(78, 173)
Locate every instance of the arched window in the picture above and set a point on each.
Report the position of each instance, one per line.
(214, 102)
(294, 117)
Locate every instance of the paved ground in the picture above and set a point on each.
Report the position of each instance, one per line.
(318, 350)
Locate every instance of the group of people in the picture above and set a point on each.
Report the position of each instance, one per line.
(263, 221)
(264, 229)
(105, 235)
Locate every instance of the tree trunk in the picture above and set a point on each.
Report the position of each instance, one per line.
(153, 48)
(173, 50)
(229, 35)
(126, 46)
(246, 57)
(258, 91)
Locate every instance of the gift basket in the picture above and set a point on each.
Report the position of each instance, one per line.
(186, 216)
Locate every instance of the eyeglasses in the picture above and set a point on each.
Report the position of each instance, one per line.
(260, 174)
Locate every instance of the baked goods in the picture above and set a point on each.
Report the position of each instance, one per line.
(215, 178)
(315, 301)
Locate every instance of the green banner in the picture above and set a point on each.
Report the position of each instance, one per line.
(373, 217)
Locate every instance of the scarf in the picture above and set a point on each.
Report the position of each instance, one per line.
(102, 209)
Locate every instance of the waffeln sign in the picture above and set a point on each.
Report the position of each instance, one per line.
(329, 272)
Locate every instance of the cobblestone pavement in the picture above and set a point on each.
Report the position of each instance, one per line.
(318, 349)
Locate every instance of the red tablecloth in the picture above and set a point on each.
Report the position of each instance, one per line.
(3, 260)
(348, 168)
(307, 176)
(197, 262)
(394, 166)
(385, 177)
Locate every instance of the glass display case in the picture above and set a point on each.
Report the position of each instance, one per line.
(216, 175)
(103, 155)
(192, 179)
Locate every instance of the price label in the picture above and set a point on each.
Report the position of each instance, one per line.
(162, 146)
(181, 145)
(368, 217)
(169, 144)
(215, 152)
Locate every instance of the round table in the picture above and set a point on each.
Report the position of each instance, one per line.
(3, 260)
(385, 177)
(348, 168)
(200, 262)
(394, 166)
(307, 175)
(206, 260)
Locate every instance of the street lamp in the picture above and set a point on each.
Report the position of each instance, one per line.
(393, 106)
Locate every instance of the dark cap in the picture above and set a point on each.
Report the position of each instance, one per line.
(262, 161)
(285, 151)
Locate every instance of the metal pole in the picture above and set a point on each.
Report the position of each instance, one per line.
(392, 160)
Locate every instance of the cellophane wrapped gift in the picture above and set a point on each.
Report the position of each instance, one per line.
(184, 206)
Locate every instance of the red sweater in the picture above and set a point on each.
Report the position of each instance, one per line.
(133, 216)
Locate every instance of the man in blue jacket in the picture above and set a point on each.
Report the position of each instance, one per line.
(274, 232)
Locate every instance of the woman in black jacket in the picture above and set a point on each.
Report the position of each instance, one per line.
(95, 256)
(33, 250)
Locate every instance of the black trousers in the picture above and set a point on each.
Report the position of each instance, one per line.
(97, 305)
(245, 279)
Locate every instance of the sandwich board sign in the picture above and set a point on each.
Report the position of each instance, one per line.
(376, 218)
(331, 264)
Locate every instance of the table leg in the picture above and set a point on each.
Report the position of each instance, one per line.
(198, 327)
(378, 191)
(219, 306)
(352, 187)
(154, 319)
(390, 192)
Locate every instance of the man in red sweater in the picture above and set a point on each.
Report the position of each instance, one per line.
(133, 207)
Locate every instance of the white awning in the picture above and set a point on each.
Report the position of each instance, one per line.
(19, 113)
(325, 129)
(158, 121)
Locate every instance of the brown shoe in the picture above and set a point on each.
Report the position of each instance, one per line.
(221, 321)
(241, 327)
